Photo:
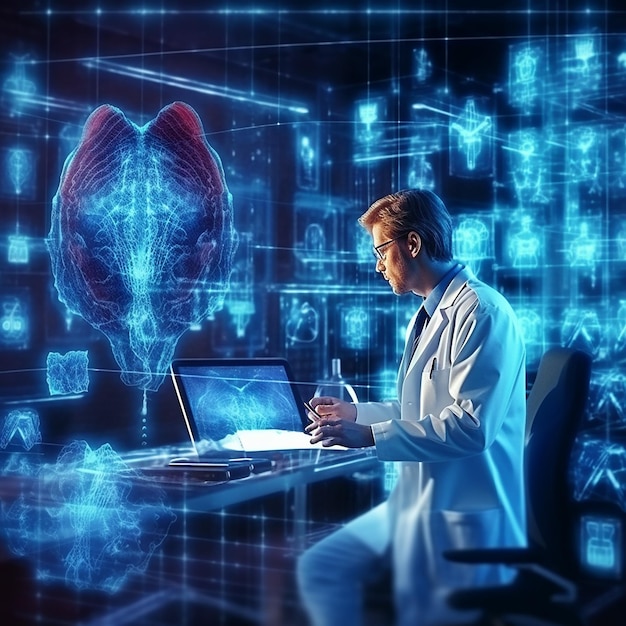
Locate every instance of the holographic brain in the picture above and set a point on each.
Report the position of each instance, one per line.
(141, 238)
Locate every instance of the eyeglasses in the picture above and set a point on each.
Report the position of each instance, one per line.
(377, 249)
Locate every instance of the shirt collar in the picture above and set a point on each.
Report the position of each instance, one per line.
(431, 302)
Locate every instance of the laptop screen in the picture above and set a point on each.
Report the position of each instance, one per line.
(221, 397)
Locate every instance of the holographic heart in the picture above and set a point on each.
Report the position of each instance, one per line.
(141, 238)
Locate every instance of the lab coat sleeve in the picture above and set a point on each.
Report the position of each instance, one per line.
(472, 396)
(373, 412)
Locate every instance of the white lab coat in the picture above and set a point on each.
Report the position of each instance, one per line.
(458, 429)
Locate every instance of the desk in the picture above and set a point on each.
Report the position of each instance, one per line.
(190, 562)
(292, 471)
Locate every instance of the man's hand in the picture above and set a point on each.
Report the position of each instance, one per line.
(335, 424)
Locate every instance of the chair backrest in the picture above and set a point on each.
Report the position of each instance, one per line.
(555, 407)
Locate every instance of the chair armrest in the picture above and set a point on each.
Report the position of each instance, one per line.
(503, 556)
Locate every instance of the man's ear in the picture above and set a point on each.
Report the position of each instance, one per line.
(414, 242)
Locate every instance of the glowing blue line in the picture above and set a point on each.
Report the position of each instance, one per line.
(420, 105)
(46, 101)
(192, 85)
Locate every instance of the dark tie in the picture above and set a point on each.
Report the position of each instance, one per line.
(420, 322)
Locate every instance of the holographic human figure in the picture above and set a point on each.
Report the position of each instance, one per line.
(21, 426)
(141, 225)
(525, 245)
(471, 131)
(582, 251)
(92, 523)
(527, 166)
(585, 163)
(471, 241)
(525, 76)
(19, 167)
(67, 373)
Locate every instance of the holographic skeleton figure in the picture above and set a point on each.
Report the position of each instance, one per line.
(471, 128)
(141, 227)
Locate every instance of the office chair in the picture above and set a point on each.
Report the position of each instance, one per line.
(542, 586)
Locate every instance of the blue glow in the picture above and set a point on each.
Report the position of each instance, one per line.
(90, 525)
(21, 426)
(355, 327)
(141, 230)
(67, 373)
(18, 86)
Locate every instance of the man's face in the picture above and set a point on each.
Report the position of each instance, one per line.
(394, 264)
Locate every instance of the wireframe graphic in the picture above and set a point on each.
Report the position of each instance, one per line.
(471, 142)
(529, 169)
(599, 471)
(21, 426)
(142, 225)
(607, 397)
(67, 373)
(526, 75)
(19, 252)
(90, 521)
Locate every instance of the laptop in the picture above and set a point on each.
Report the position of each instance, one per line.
(241, 407)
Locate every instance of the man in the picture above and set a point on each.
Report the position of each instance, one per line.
(457, 428)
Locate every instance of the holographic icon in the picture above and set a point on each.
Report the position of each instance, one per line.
(581, 329)
(303, 323)
(525, 76)
(528, 168)
(422, 65)
(14, 322)
(21, 426)
(67, 373)
(601, 544)
(599, 471)
(470, 142)
(470, 240)
(355, 328)
(141, 227)
(307, 176)
(421, 174)
(608, 397)
(18, 250)
(525, 245)
(369, 117)
(19, 169)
